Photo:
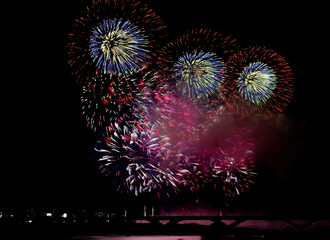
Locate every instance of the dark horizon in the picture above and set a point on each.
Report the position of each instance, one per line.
(50, 147)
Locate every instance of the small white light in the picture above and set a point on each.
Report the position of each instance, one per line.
(48, 214)
(64, 215)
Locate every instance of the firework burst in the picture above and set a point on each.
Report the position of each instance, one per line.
(193, 171)
(118, 47)
(259, 82)
(114, 37)
(198, 74)
(224, 153)
(170, 118)
(132, 159)
(233, 164)
(108, 98)
(174, 116)
(196, 61)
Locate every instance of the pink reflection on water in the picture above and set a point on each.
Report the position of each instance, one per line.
(144, 238)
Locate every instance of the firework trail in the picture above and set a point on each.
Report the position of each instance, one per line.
(259, 82)
(113, 36)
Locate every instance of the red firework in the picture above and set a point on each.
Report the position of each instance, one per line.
(135, 12)
(206, 40)
(259, 82)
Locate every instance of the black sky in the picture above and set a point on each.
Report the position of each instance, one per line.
(45, 159)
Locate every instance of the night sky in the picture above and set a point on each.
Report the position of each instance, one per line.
(46, 156)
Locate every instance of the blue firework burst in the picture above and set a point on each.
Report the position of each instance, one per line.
(118, 46)
(257, 82)
(199, 73)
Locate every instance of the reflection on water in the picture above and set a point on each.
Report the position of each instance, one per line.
(116, 237)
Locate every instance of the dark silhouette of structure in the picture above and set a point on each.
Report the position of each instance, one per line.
(57, 224)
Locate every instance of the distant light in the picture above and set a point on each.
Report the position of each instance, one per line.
(48, 214)
(64, 215)
(30, 221)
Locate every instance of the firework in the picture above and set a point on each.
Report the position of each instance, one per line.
(108, 98)
(196, 61)
(198, 73)
(169, 120)
(132, 160)
(174, 116)
(259, 82)
(118, 46)
(193, 171)
(114, 37)
(233, 164)
(224, 154)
